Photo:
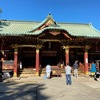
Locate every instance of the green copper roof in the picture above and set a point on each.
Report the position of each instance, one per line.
(81, 29)
(16, 28)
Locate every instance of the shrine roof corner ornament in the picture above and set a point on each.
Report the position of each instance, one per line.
(17, 28)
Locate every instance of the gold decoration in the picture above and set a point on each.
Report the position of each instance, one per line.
(54, 72)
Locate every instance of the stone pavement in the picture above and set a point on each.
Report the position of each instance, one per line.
(38, 88)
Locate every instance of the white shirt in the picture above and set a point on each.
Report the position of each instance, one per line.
(48, 68)
(68, 69)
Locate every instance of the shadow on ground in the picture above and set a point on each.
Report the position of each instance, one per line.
(21, 91)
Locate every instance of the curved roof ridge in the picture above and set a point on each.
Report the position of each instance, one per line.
(20, 21)
(49, 16)
(93, 27)
(73, 23)
(46, 28)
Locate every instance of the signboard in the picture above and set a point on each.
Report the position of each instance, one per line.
(8, 65)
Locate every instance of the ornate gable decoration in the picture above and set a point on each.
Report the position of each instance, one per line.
(51, 26)
(54, 32)
(46, 24)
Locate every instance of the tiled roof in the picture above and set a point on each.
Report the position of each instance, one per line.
(16, 28)
(84, 30)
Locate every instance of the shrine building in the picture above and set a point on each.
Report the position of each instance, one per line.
(36, 44)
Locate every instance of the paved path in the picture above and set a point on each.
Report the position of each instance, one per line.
(37, 88)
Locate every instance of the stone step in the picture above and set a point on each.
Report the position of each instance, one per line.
(27, 72)
(27, 75)
(32, 72)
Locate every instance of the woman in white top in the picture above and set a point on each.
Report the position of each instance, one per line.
(48, 70)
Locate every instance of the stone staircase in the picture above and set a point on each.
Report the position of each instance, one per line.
(27, 72)
(43, 71)
(80, 73)
(31, 72)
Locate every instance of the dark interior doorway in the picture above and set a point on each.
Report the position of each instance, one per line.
(51, 53)
(27, 57)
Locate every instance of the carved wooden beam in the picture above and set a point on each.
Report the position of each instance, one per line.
(64, 47)
(17, 46)
(31, 46)
(52, 40)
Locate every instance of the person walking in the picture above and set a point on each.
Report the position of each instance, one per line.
(93, 69)
(75, 66)
(68, 74)
(48, 71)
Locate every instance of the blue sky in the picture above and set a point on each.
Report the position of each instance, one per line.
(71, 11)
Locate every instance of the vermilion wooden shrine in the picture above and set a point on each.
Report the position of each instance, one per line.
(36, 44)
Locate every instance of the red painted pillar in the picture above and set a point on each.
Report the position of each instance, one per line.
(37, 62)
(67, 54)
(86, 60)
(15, 62)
